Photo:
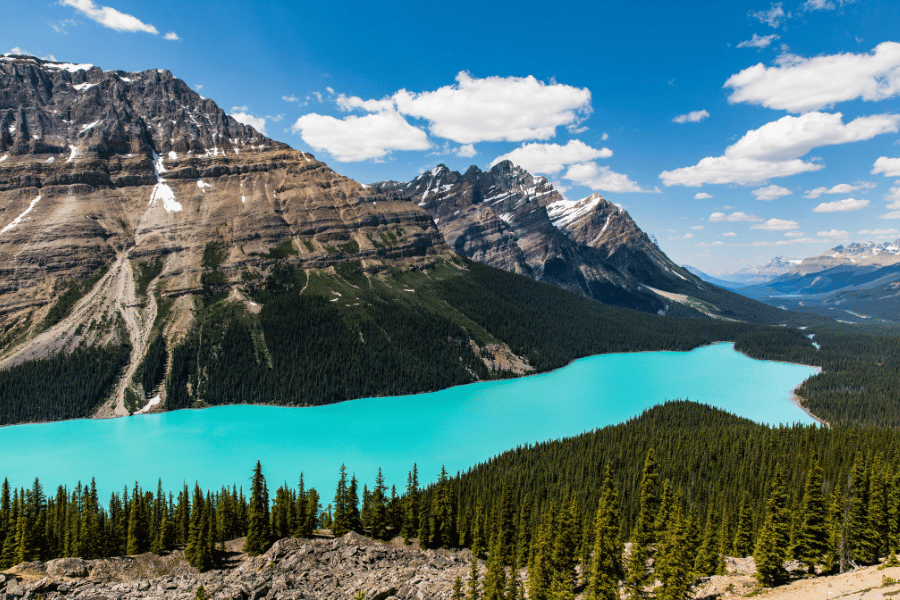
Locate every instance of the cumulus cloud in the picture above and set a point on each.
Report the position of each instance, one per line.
(841, 188)
(172, 36)
(794, 234)
(774, 150)
(771, 192)
(359, 138)
(702, 196)
(893, 196)
(707, 245)
(110, 17)
(798, 84)
(729, 234)
(758, 41)
(241, 115)
(291, 98)
(552, 158)
(771, 17)
(736, 217)
(890, 167)
(891, 215)
(834, 234)
(596, 177)
(823, 4)
(848, 205)
(776, 225)
(465, 151)
(691, 117)
(496, 108)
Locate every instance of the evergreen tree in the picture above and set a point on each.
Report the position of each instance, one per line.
(424, 521)
(479, 547)
(379, 508)
(606, 558)
(457, 589)
(774, 537)
(637, 573)
(410, 506)
(443, 525)
(540, 567)
(506, 529)
(676, 577)
(523, 543)
(859, 537)
(258, 535)
(565, 543)
(138, 524)
(495, 578)
(473, 593)
(743, 538)
(811, 539)
(561, 588)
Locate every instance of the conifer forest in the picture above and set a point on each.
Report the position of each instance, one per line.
(681, 486)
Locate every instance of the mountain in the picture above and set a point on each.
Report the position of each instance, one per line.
(855, 254)
(779, 265)
(722, 283)
(509, 219)
(157, 254)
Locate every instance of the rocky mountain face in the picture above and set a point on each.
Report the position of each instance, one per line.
(779, 265)
(512, 220)
(291, 569)
(120, 182)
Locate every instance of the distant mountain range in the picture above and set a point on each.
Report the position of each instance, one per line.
(857, 283)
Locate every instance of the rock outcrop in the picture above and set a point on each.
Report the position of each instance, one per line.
(291, 569)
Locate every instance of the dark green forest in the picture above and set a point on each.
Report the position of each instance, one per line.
(684, 483)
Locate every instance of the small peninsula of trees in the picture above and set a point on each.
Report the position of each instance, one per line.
(552, 519)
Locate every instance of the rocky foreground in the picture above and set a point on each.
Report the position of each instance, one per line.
(292, 568)
(325, 568)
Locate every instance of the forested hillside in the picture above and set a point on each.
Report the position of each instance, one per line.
(684, 483)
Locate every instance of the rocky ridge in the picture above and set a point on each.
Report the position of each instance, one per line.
(507, 218)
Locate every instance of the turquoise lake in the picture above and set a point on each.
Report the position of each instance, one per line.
(458, 427)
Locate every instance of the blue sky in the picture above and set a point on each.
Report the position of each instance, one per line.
(732, 131)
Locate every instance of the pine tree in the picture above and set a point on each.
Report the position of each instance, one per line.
(424, 521)
(637, 573)
(540, 567)
(410, 506)
(676, 576)
(479, 547)
(811, 539)
(340, 523)
(513, 585)
(506, 529)
(523, 543)
(312, 512)
(743, 538)
(706, 560)
(457, 589)
(138, 524)
(606, 559)
(565, 543)
(859, 538)
(495, 578)
(443, 525)
(258, 535)
(561, 588)
(379, 508)
(473, 593)
(774, 537)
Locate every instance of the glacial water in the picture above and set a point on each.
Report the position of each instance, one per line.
(457, 427)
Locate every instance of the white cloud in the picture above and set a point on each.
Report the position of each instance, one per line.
(701, 196)
(880, 232)
(736, 217)
(291, 98)
(360, 138)
(891, 215)
(596, 177)
(691, 117)
(893, 196)
(496, 108)
(834, 234)
(241, 116)
(244, 108)
(848, 205)
(771, 17)
(774, 149)
(348, 103)
(798, 84)
(729, 234)
(698, 227)
(708, 245)
(776, 225)
(199, 86)
(794, 234)
(172, 36)
(890, 167)
(110, 17)
(604, 137)
(466, 151)
(552, 158)
(759, 41)
(771, 192)
(687, 236)
(824, 4)
(841, 188)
